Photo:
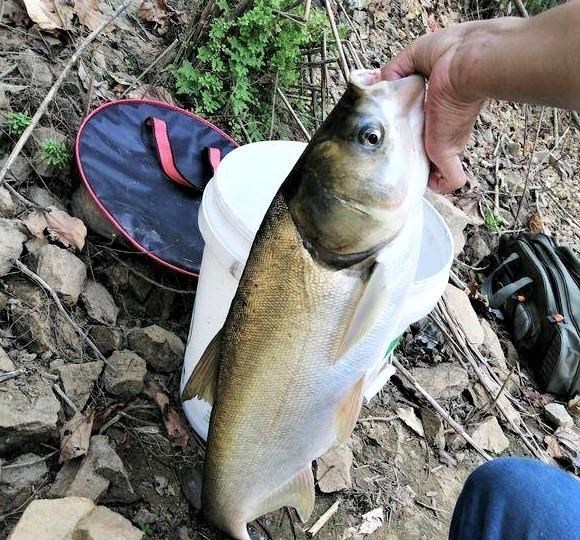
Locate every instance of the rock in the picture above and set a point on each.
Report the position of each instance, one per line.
(51, 519)
(489, 436)
(456, 442)
(145, 517)
(84, 207)
(161, 349)
(557, 415)
(43, 197)
(12, 240)
(18, 479)
(433, 428)
(72, 518)
(100, 475)
(78, 380)
(512, 354)
(34, 244)
(124, 374)
(106, 339)
(409, 418)
(28, 412)
(34, 69)
(104, 524)
(492, 345)
(5, 363)
(442, 381)
(99, 303)
(481, 399)
(479, 248)
(455, 218)
(20, 169)
(333, 469)
(7, 204)
(460, 305)
(64, 272)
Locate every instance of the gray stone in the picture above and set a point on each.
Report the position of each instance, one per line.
(145, 517)
(34, 69)
(104, 524)
(456, 442)
(455, 218)
(161, 349)
(63, 271)
(99, 303)
(489, 436)
(7, 204)
(106, 339)
(333, 469)
(78, 380)
(100, 475)
(28, 412)
(442, 381)
(492, 345)
(5, 363)
(34, 244)
(20, 170)
(54, 519)
(43, 197)
(479, 248)
(433, 428)
(18, 478)
(124, 374)
(12, 240)
(557, 415)
(460, 305)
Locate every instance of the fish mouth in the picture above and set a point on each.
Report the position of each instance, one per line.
(389, 201)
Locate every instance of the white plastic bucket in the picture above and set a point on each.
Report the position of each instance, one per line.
(233, 205)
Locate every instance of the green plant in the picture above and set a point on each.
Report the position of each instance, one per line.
(18, 122)
(147, 530)
(233, 72)
(54, 153)
(493, 222)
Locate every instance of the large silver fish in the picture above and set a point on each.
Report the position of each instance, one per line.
(326, 273)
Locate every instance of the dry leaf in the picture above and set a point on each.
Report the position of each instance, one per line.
(176, 426)
(75, 436)
(408, 416)
(148, 91)
(44, 14)
(470, 206)
(564, 445)
(89, 13)
(155, 11)
(535, 223)
(57, 225)
(574, 405)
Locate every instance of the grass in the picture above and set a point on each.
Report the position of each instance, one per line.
(493, 222)
(18, 122)
(54, 153)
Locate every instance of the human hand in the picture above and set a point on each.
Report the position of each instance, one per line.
(450, 113)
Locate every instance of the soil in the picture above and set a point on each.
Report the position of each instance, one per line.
(393, 468)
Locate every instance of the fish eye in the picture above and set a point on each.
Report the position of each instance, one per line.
(371, 135)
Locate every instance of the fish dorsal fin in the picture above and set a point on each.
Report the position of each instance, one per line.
(203, 380)
(369, 309)
(298, 492)
(348, 411)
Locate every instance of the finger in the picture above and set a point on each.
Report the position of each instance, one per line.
(447, 175)
(400, 66)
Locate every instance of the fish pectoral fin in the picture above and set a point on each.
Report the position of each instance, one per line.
(370, 307)
(348, 411)
(203, 380)
(297, 492)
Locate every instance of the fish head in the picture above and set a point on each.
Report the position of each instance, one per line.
(365, 169)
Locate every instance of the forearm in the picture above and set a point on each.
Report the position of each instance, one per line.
(534, 60)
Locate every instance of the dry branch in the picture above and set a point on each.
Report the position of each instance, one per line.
(293, 114)
(343, 65)
(323, 519)
(54, 89)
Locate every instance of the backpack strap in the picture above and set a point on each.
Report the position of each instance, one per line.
(486, 286)
(164, 153)
(501, 296)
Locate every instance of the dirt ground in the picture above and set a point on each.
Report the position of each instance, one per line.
(414, 479)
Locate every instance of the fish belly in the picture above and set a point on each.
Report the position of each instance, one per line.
(279, 387)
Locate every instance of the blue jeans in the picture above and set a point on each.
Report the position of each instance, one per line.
(517, 499)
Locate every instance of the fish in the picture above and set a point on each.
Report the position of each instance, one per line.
(325, 276)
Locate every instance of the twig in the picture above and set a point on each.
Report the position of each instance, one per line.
(324, 75)
(307, 9)
(30, 462)
(353, 28)
(521, 8)
(516, 220)
(556, 127)
(293, 114)
(11, 375)
(442, 412)
(150, 67)
(313, 92)
(61, 393)
(378, 418)
(273, 110)
(354, 55)
(323, 519)
(35, 277)
(52, 92)
(503, 387)
(343, 65)
(576, 117)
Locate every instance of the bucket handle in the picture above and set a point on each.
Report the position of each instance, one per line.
(164, 153)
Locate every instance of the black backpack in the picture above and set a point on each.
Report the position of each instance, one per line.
(536, 285)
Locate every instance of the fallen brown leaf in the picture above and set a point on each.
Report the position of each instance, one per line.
(535, 223)
(89, 13)
(57, 225)
(177, 428)
(564, 446)
(75, 436)
(44, 14)
(155, 11)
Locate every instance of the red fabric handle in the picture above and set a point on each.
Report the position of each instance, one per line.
(165, 154)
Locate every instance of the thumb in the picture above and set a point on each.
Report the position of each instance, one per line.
(446, 174)
(400, 66)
